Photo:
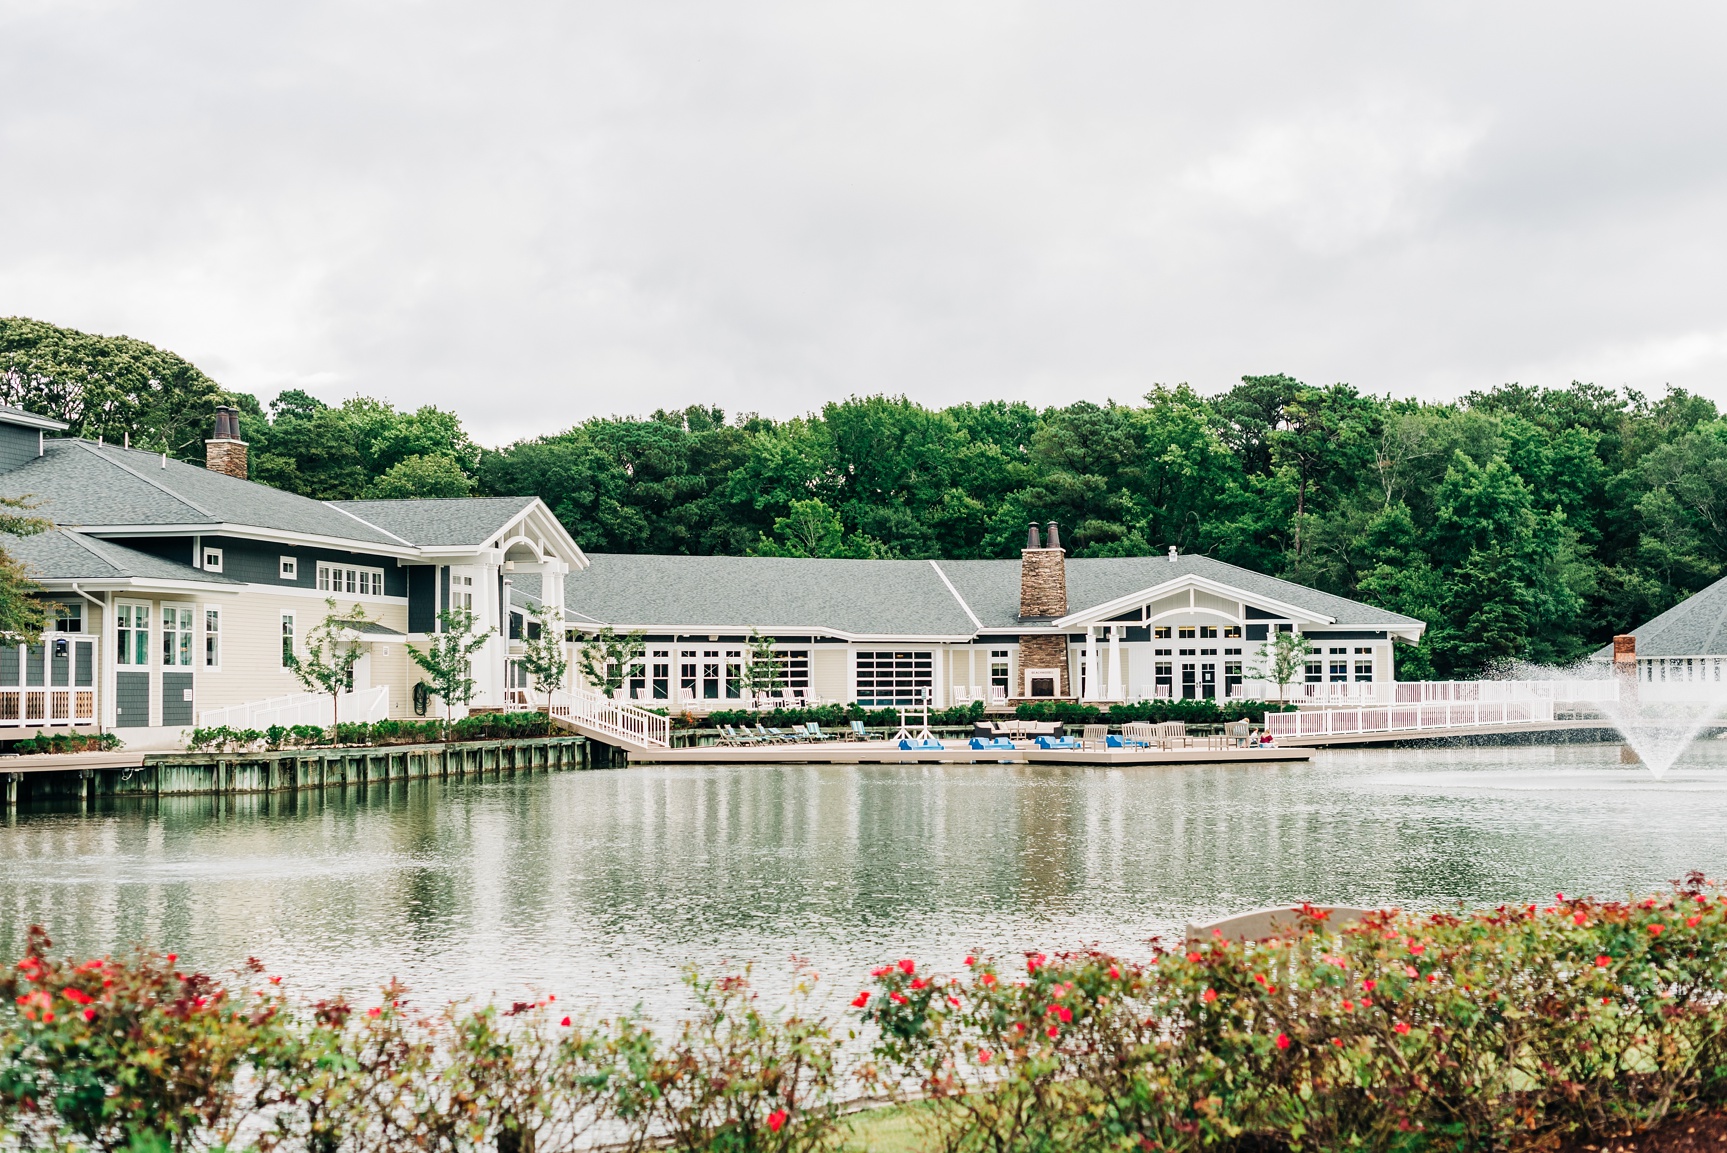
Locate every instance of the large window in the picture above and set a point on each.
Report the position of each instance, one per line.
(176, 636)
(287, 640)
(68, 617)
(660, 670)
(1363, 664)
(894, 678)
(132, 625)
(794, 668)
(366, 582)
(999, 677)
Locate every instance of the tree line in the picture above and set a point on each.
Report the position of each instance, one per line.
(1520, 522)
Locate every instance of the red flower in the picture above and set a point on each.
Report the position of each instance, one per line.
(918, 982)
(374, 1012)
(1338, 1041)
(89, 1014)
(1054, 1032)
(1283, 1040)
(1400, 1027)
(953, 1000)
(1063, 1012)
(275, 980)
(172, 957)
(861, 999)
(1367, 1002)
(1032, 962)
(970, 960)
(48, 1017)
(1410, 971)
(1603, 961)
(1657, 930)
(777, 1120)
(565, 1022)
(1195, 958)
(1417, 949)
(77, 996)
(881, 972)
(908, 966)
(988, 978)
(1692, 922)
(896, 997)
(1580, 918)
(1348, 1004)
(1208, 996)
(1368, 984)
(983, 1056)
(1114, 973)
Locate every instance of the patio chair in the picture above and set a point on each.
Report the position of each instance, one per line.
(768, 736)
(815, 732)
(1237, 733)
(859, 731)
(1094, 735)
(787, 736)
(1058, 743)
(961, 695)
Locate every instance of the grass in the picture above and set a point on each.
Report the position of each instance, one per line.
(887, 1129)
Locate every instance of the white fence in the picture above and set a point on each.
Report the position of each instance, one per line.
(367, 705)
(1362, 693)
(617, 718)
(1407, 718)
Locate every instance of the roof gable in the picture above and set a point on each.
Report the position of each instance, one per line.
(1696, 626)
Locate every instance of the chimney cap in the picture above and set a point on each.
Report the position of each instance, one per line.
(1031, 539)
(1053, 540)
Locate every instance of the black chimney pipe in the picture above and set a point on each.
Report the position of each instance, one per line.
(1054, 540)
(1031, 540)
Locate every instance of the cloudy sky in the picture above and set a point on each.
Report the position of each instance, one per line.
(533, 213)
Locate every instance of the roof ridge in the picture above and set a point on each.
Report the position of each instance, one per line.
(155, 484)
(88, 545)
(362, 520)
(936, 565)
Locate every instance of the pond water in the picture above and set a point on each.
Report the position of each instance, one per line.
(602, 885)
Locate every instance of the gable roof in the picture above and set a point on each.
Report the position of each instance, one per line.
(440, 521)
(896, 597)
(82, 484)
(848, 598)
(991, 588)
(1695, 627)
(64, 555)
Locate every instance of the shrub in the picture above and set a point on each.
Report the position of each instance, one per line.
(68, 743)
(833, 716)
(1195, 712)
(496, 726)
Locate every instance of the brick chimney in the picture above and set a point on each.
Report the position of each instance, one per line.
(1042, 597)
(225, 452)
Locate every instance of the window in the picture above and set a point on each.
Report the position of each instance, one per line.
(177, 636)
(998, 670)
(794, 668)
(462, 593)
(515, 626)
(1364, 670)
(894, 678)
(1161, 633)
(660, 670)
(69, 617)
(287, 640)
(1186, 632)
(1164, 652)
(1315, 672)
(1189, 652)
(366, 582)
(1208, 632)
(288, 568)
(1164, 680)
(1207, 652)
(1231, 652)
(133, 628)
(1339, 670)
(212, 638)
(1232, 632)
(212, 559)
(1231, 678)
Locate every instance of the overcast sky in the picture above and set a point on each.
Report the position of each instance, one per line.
(533, 213)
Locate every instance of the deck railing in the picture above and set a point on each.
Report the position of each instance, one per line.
(48, 706)
(617, 718)
(367, 705)
(1407, 718)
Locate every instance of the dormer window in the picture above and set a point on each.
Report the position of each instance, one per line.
(288, 568)
(212, 560)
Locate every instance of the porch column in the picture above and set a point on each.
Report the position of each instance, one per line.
(1115, 693)
(1093, 691)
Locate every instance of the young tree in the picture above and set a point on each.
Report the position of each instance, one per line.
(1283, 658)
(605, 658)
(22, 614)
(763, 673)
(543, 653)
(332, 651)
(448, 658)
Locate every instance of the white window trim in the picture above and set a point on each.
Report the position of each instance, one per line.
(151, 628)
(377, 574)
(288, 568)
(294, 617)
(206, 552)
(163, 608)
(203, 635)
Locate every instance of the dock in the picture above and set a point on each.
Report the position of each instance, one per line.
(956, 753)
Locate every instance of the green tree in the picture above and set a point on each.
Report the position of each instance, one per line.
(448, 658)
(543, 653)
(22, 613)
(763, 672)
(434, 475)
(605, 658)
(332, 651)
(1282, 659)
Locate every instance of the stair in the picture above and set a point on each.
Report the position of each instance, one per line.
(626, 726)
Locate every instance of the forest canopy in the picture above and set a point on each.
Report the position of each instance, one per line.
(1520, 522)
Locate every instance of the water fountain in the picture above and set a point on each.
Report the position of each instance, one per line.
(1657, 718)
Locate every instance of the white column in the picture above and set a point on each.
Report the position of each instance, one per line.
(1115, 693)
(1093, 691)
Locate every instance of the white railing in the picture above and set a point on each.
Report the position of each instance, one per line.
(33, 708)
(616, 718)
(1582, 691)
(1407, 718)
(367, 705)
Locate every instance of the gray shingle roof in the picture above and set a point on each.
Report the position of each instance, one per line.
(59, 554)
(854, 597)
(455, 521)
(991, 587)
(1695, 627)
(81, 484)
(12, 414)
(892, 598)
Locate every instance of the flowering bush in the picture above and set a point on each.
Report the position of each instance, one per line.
(1440, 1031)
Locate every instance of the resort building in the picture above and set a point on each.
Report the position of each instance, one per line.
(179, 594)
(1682, 652)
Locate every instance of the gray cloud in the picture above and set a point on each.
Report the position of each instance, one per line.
(536, 212)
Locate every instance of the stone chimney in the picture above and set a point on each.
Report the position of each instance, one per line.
(225, 452)
(1043, 576)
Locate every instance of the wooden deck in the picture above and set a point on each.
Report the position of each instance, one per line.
(956, 753)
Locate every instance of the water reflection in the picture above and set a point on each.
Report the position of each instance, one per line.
(603, 884)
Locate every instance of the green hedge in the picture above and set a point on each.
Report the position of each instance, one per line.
(479, 727)
(68, 743)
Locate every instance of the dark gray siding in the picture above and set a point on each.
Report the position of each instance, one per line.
(258, 562)
(18, 446)
(176, 698)
(132, 698)
(422, 598)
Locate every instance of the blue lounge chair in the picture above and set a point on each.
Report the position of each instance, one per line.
(925, 745)
(1117, 742)
(992, 744)
(790, 738)
(815, 732)
(1058, 743)
(859, 731)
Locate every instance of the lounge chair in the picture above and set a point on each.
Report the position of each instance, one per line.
(1124, 742)
(769, 736)
(1058, 743)
(789, 736)
(815, 732)
(921, 745)
(991, 744)
(859, 731)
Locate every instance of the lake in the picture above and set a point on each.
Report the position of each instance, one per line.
(599, 886)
